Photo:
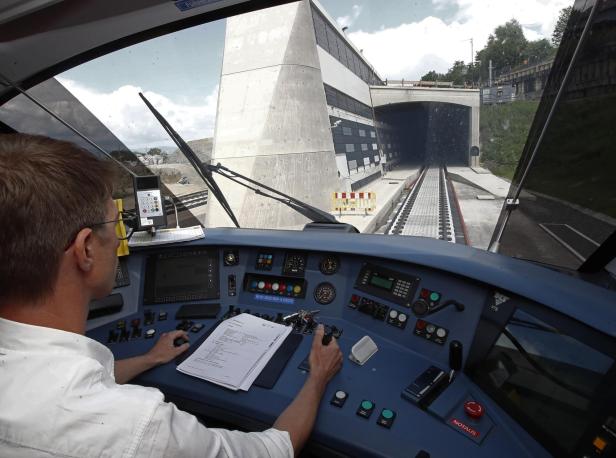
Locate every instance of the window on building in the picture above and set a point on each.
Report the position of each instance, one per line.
(364, 147)
(350, 148)
(362, 133)
(374, 146)
(347, 131)
(372, 134)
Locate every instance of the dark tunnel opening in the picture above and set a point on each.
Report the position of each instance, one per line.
(429, 132)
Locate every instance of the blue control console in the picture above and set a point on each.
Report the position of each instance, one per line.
(379, 409)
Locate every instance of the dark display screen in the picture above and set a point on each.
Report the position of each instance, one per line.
(188, 275)
(382, 282)
(182, 275)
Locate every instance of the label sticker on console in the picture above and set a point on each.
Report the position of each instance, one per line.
(464, 428)
(276, 299)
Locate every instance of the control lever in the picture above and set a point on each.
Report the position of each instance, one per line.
(455, 358)
(421, 307)
(327, 336)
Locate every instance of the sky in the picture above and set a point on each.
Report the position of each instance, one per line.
(180, 73)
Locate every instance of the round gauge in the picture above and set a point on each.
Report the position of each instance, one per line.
(324, 293)
(329, 265)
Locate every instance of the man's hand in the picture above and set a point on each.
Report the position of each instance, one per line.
(325, 360)
(164, 350)
(298, 418)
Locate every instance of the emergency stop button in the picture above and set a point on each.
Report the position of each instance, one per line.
(473, 409)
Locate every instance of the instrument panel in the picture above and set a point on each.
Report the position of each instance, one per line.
(416, 315)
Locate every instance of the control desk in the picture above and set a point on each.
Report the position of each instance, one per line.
(435, 311)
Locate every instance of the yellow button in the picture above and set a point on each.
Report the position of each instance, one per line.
(599, 443)
(297, 289)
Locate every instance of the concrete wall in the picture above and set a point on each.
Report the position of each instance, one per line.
(384, 95)
(338, 76)
(272, 121)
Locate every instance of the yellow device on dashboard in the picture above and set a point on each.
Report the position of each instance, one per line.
(121, 231)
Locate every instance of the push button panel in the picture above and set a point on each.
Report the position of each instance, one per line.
(397, 319)
(431, 332)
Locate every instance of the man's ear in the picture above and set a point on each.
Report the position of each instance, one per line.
(84, 250)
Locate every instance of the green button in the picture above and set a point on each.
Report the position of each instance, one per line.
(435, 296)
(387, 414)
(366, 405)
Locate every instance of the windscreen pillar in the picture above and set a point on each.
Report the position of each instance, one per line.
(272, 123)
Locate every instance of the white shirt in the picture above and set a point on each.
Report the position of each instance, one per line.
(58, 397)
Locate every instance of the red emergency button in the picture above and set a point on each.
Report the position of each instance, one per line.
(421, 324)
(473, 409)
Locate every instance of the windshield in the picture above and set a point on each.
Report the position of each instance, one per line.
(396, 117)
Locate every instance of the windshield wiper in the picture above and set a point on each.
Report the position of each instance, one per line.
(194, 160)
(314, 214)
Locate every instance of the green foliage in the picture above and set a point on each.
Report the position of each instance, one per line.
(507, 48)
(154, 152)
(561, 25)
(433, 76)
(503, 131)
(538, 51)
(457, 73)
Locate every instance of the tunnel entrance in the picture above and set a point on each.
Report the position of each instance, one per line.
(430, 132)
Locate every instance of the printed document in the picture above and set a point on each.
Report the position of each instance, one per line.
(236, 352)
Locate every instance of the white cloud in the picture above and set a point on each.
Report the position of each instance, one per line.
(347, 21)
(125, 114)
(412, 49)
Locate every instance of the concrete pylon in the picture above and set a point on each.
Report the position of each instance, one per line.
(272, 122)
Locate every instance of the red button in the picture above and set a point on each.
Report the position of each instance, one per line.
(355, 299)
(268, 285)
(424, 293)
(473, 409)
(420, 324)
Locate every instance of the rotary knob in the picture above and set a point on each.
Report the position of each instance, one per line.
(420, 307)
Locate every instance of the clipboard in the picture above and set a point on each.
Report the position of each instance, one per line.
(271, 372)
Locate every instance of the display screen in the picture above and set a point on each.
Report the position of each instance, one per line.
(182, 275)
(382, 282)
(188, 275)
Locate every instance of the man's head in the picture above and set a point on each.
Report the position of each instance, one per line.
(53, 195)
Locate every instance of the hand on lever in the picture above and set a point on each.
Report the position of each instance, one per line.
(298, 418)
(165, 350)
(325, 360)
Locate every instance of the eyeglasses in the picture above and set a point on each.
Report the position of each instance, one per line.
(129, 219)
(130, 223)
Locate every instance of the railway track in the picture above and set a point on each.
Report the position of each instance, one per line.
(427, 210)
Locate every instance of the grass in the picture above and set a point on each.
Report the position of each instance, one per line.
(503, 132)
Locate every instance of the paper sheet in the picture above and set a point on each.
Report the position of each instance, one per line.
(236, 352)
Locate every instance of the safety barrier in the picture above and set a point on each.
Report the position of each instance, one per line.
(359, 203)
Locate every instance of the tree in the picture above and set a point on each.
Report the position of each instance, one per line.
(154, 152)
(561, 25)
(538, 51)
(433, 76)
(457, 73)
(505, 48)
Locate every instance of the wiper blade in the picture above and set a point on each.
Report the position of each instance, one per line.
(201, 169)
(314, 214)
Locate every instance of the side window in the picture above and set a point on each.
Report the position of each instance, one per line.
(544, 378)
